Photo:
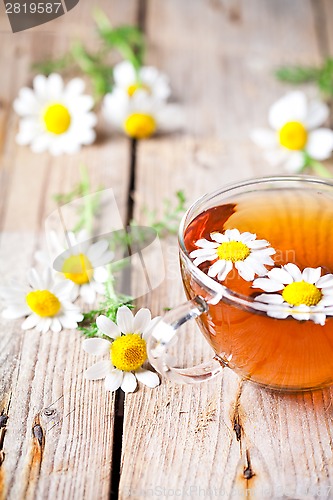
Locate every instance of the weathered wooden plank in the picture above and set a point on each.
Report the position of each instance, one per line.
(223, 438)
(57, 440)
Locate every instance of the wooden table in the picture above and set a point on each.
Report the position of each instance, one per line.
(66, 438)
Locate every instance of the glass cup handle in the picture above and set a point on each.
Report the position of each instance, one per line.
(164, 336)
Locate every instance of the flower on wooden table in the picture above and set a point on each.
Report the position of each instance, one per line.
(232, 248)
(306, 292)
(296, 141)
(141, 115)
(126, 349)
(55, 117)
(45, 304)
(83, 263)
(147, 78)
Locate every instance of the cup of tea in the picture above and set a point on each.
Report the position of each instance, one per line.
(256, 261)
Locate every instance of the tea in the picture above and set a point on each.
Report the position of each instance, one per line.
(284, 353)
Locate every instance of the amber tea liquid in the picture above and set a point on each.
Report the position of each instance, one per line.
(286, 354)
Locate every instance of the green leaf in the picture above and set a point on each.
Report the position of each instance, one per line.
(297, 74)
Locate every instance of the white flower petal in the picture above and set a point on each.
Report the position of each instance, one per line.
(218, 267)
(96, 346)
(311, 275)
(147, 377)
(295, 162)
(125, 319)
(300, 314)
(278, 314)
(129, 382)
(15, 311)
(99, 370)
(264, 138)
(97, 249)
(209, 244)
(317, 114)
(218, 237)
(30, 322)
(320, 144)
(224, 272)
(294, 271)
(75, 87)
(141, 320)
(326, 301)
(101, 274)
(35, 279)
(232, 234)
(325, 281)
(113, 380)
(56, 325)
(87, 293)
(245, 270)
(124, 74)
(319, 318)
(280, 275)
(257, 244)
(291, 107)
(55, 86)
(69, 322)
(149, 328)
(108, 327)
(200, 260)
(269, 298)
(267, 285)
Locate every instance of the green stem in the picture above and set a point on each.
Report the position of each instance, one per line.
(319, 169)
(110, 284)
(88, 212)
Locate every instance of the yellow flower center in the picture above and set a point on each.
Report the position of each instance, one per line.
(43, 303)
(140, 125)
(137, 86)
(128, 352)
(301, 293)
(233, 250)
(78, 269)
(293, 135)
(57, 119)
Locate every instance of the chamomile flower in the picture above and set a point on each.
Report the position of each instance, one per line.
(141, 115)
(126, 349)
(83, 263)
(232, 248)
(295, 140)
(45, 304)
(55, 117)
(307, 292)
(147, 78)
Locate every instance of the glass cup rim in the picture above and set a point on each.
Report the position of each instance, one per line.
(216, 290)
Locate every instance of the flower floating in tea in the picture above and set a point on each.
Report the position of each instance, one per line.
(234, 249)
(296, 141)
(126, 347)
(307, 292)
(47, 304)
(83, 264)
(55, 117)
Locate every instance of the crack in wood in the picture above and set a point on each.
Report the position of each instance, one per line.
(35, 454)
(236, 417)
(4, 405)
(248, 472)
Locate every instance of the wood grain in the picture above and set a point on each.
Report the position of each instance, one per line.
(56, 430)
(225, 438)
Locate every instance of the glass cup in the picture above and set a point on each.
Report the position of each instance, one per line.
(275, 345)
